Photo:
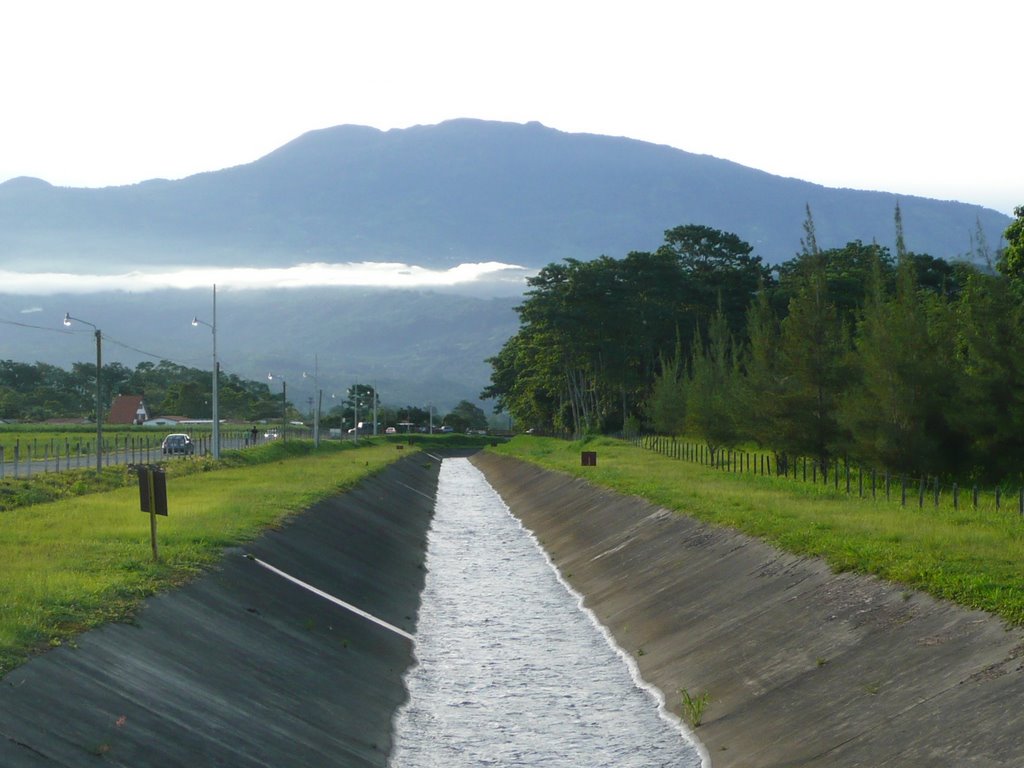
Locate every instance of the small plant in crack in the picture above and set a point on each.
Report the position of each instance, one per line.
(694, 706)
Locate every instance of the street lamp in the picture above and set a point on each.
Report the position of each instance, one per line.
(316, 391)
(196, 322)
(355, 414)
(375, 404)
(284, 407)
(99, 403)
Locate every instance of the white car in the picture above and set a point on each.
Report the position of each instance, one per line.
(178, 443)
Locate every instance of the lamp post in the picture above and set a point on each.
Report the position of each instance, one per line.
(355, 414)
(284, 407)
(317, 393)
(375, 403)
(99, 402)
(196, 322)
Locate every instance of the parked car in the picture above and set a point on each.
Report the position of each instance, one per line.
(178, 444)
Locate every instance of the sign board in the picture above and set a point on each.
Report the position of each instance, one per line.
(153, 490)
(588, 458)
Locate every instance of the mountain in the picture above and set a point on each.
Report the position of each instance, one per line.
(430, 196)
(461, 191)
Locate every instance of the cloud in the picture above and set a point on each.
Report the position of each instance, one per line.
(492, 276)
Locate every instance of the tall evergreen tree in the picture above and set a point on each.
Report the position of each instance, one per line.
(712, 391)
(812, 349)
(991, 358)
(894, 410)
(763, 381)
(666, 407)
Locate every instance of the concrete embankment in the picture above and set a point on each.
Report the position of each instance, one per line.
(244, 667)
(804, 667)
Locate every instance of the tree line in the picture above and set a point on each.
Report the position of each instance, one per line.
(897, 360)
(40, 391)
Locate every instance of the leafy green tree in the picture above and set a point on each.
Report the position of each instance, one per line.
(848, 273)
(524, 382)
(412, 415)
(11, 403)
(357, 406)
(465, 416)
(188, 398)
(1011, 261)
(718, 269)
(593, 333)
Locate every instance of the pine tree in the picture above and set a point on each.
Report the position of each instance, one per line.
(666, 408)
(712, 401)
(812, 347)
(895, 411)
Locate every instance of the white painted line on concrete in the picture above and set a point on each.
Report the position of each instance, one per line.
(333, 599)
(435, 458)
(416, 490)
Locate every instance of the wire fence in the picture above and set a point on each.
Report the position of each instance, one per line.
(839, 475)
(32, 457)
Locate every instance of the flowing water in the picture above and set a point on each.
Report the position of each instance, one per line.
(511, 670)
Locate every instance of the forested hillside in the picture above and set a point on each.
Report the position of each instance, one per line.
(897, 359)
(440, 195)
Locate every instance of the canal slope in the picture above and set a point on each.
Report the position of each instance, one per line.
(244, 667)
(803, 666)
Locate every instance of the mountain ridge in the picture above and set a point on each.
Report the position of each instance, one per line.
(429, 196)
(464, 190)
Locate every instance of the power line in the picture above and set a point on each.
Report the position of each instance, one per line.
(106, 338)
(37, 327)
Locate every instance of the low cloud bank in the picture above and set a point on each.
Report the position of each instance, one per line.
(490, 277)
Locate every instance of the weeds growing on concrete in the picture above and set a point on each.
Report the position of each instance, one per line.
(694, 706)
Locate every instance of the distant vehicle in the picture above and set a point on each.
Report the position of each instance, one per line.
(390, 431)
(445, 429)
(178, 444)
(270, 434)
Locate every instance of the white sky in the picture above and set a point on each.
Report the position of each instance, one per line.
(905, 96)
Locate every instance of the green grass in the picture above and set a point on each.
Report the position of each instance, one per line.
(70, 565)
(972, 557)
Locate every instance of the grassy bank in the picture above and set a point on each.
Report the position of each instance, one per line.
(70, 565)
(972, 557)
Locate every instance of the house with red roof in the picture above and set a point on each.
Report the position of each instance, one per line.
(128, 409)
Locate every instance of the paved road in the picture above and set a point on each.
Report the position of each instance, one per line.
(124, 452)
